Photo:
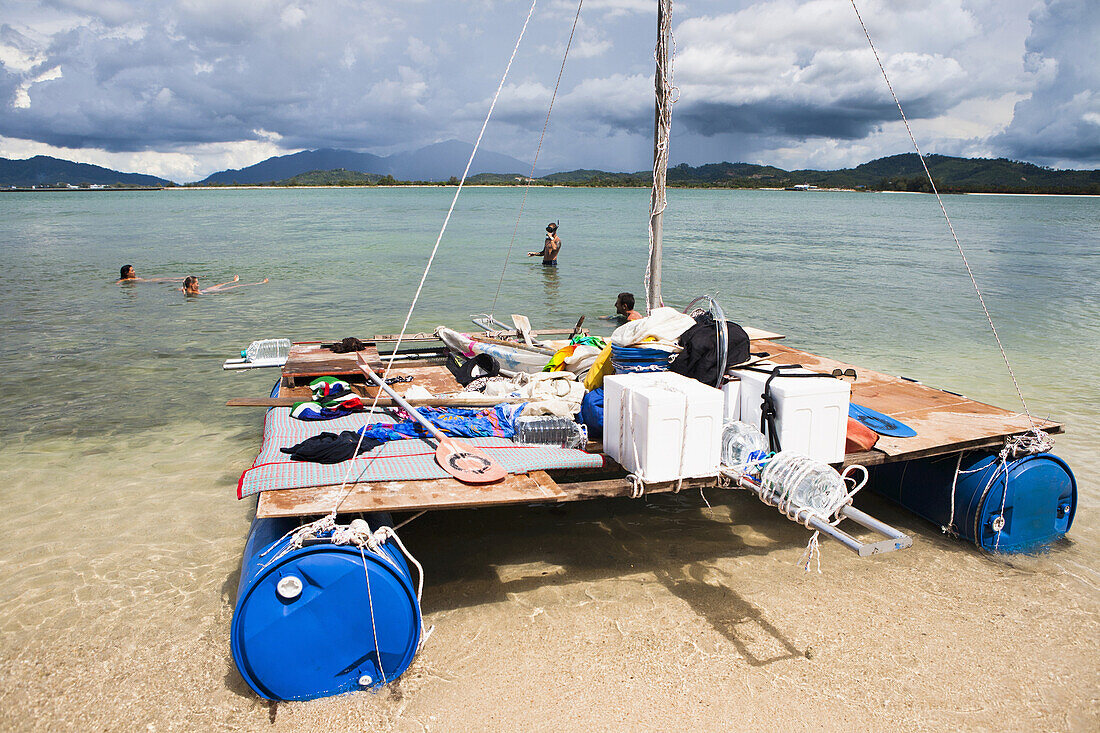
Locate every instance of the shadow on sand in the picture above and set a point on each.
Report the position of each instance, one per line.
(672, 537)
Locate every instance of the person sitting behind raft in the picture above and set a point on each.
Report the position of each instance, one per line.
(550, 247)
(624, 309)
(191, 285)
(126, 274)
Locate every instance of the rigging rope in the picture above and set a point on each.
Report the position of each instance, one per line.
(663, 126)
(527, 187)
(950, 226)
(345, 489)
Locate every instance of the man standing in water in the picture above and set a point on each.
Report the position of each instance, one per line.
(550, 247)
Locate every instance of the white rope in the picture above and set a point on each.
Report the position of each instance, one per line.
(1014, 447)
(950, 528)
(947, 218)
(778, 480)
(373, 625)
(346, 489)
(534, 163)
(665, 101)
(637, 478)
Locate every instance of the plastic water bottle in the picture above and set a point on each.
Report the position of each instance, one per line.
(806, 483)
(550, 430)
(267, 350)
(742, 444)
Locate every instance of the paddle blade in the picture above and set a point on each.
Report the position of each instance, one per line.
(523, 325)
(467, 463)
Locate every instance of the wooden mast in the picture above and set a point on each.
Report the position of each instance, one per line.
(662, 119)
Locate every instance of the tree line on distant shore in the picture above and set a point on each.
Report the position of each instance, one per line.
(895, 173)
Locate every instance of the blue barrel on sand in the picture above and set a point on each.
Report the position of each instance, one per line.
(302, 627)
(1021, 506)
(629, 359)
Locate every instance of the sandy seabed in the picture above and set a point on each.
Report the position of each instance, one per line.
(661, 614)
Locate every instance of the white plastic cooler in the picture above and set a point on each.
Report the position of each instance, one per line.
(811, 413)
(662, 426)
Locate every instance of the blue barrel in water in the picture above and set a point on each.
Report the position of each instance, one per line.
(308, 624)
(1025, 504)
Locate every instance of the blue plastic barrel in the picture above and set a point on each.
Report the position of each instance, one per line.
(1028, 503)
(628, 359)
(302, 627)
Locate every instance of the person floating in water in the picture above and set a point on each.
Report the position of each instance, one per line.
(624, 309)
(126, 274)
(550, 247)
(191, 285)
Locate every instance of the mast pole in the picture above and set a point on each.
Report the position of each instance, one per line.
(662, 120)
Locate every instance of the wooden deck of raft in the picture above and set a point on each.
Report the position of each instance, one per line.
(945, 423)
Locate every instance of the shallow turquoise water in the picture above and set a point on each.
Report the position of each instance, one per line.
(873, 279)
(118, 460)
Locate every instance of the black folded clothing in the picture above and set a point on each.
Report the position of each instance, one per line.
(345, 346)
(330, 447)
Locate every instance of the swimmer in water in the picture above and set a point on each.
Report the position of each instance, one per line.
(191, 285)
(624, 309)
(126, 274)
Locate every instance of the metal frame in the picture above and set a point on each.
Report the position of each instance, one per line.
(894, 539)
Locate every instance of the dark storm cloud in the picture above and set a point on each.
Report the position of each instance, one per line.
(1060, 121)
(378, 75)
(785, 119)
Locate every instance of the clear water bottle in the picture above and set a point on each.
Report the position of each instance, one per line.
(267, 350)
(742, 446)
(803, 482)
(550, 430)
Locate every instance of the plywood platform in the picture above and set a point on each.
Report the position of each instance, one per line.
(945, 423)
(306, 362)
(394, 496)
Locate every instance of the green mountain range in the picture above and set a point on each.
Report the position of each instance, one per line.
(42, 170)
(893, 173)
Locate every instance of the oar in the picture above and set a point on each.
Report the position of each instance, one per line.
(523, 325)
(577, 328)
(465, 462)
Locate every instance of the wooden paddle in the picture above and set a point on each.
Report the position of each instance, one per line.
(577, 328)
(523, 325)
(465, 462)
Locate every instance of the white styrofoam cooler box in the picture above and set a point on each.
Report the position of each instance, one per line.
(645, 428)
(811, 414)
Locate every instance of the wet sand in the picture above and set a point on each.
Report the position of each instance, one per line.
(655, 615)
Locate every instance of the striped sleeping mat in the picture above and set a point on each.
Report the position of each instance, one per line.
(399, 460)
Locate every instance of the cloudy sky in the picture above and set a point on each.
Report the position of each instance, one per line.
(187, 87)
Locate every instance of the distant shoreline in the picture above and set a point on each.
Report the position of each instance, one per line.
(256, 187)
(265, 187)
